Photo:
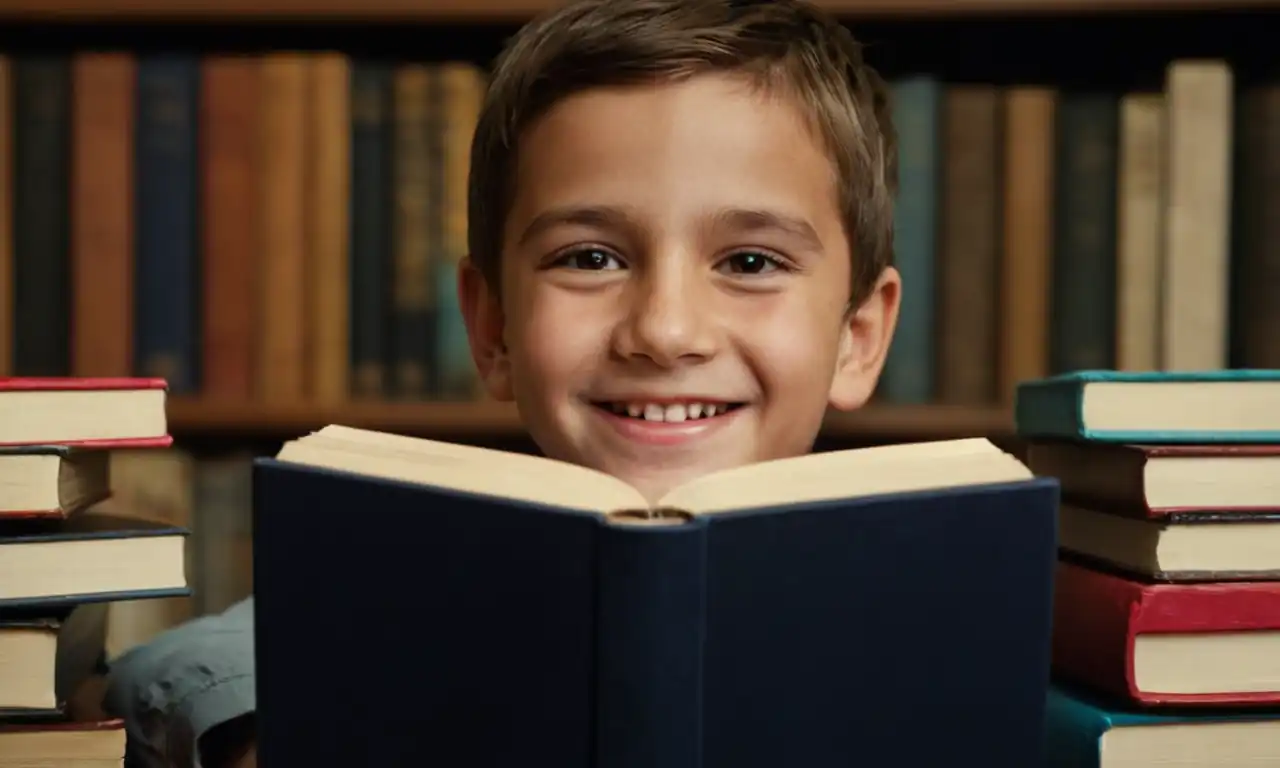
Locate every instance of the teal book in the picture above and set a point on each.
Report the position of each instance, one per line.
(1216, 406)
(1084, 731)
(908, 370)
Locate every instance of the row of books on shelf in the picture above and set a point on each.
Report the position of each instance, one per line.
(1044, 229)
(284, 226)
(287, 226)
(95, 509)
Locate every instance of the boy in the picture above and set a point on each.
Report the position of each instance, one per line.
(681, 235)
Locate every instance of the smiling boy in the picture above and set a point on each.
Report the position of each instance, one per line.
(681, 234)
(681, 217)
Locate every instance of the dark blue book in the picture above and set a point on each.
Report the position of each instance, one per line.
(89, 558)
(166, 275)
(457, 605)
(1083, 730)
(371, 226)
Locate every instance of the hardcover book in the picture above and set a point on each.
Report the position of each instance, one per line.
(1166, 483)
(87, 412)
(89, 557)
(62, 744)
(521, 611)
(1214, 406)
(1163, 644)
(51, 481)
(1084, 730)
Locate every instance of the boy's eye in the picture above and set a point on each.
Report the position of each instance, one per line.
(750, 263)
(589, 259)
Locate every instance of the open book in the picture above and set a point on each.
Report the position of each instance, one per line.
(762, 594)
(814, 477)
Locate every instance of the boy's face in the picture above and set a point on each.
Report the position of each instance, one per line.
(675, 285)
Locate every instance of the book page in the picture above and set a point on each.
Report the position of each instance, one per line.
(463, 468)
(848, 474)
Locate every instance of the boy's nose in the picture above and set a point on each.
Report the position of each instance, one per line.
(667, 320)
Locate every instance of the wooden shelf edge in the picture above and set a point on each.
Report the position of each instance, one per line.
(492, 11)
(195, 417)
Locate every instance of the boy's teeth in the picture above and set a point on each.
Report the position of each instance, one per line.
(675, 412)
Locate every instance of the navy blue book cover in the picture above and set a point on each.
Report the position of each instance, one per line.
(405, 625)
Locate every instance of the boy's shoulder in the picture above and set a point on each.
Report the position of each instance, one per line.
(187, 679)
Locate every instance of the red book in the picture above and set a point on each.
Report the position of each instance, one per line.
(1175, 483)
(85, 412)
(1195, 644)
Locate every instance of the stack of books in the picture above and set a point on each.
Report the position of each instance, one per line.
(66, 555)
(1166, 633)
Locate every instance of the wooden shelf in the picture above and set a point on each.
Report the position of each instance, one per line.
(487, 419)
(519, 10)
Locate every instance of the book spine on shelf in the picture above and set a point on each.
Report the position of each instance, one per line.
(166, 277)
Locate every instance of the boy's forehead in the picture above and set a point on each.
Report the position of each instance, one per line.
(701, 146)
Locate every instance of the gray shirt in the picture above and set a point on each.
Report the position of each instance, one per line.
(182, 683)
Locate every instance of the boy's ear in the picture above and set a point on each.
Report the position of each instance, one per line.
(864, 343)
(482, 313)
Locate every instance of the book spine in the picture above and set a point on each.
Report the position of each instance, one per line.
(281, 368)
(41, 231)
(228, 129)
(101, 193)
(327, 191)
(969, 244)
(650, 614)
(370, 226)
(1093, 634)
(166, 278)
(412, 294)
(1139, 220)
(1199, 114)
(463, 87)
(1257, 223)
(1105, 477)
(1073, 731)
(1082, 331)
(1098, 616)
(7, 318)
(909, 370)
(1048, 409)
(1027, 237)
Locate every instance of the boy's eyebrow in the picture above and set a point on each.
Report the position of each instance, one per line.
(759, 220)
(737, 219)
(584, 215)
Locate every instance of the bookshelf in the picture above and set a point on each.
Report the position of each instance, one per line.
(489, 11)
(997, 43)
(195, 417)
(1110, 48)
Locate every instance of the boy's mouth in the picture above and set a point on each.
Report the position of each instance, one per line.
(666, 412)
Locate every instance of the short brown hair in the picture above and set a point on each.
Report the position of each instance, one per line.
(781, 43)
